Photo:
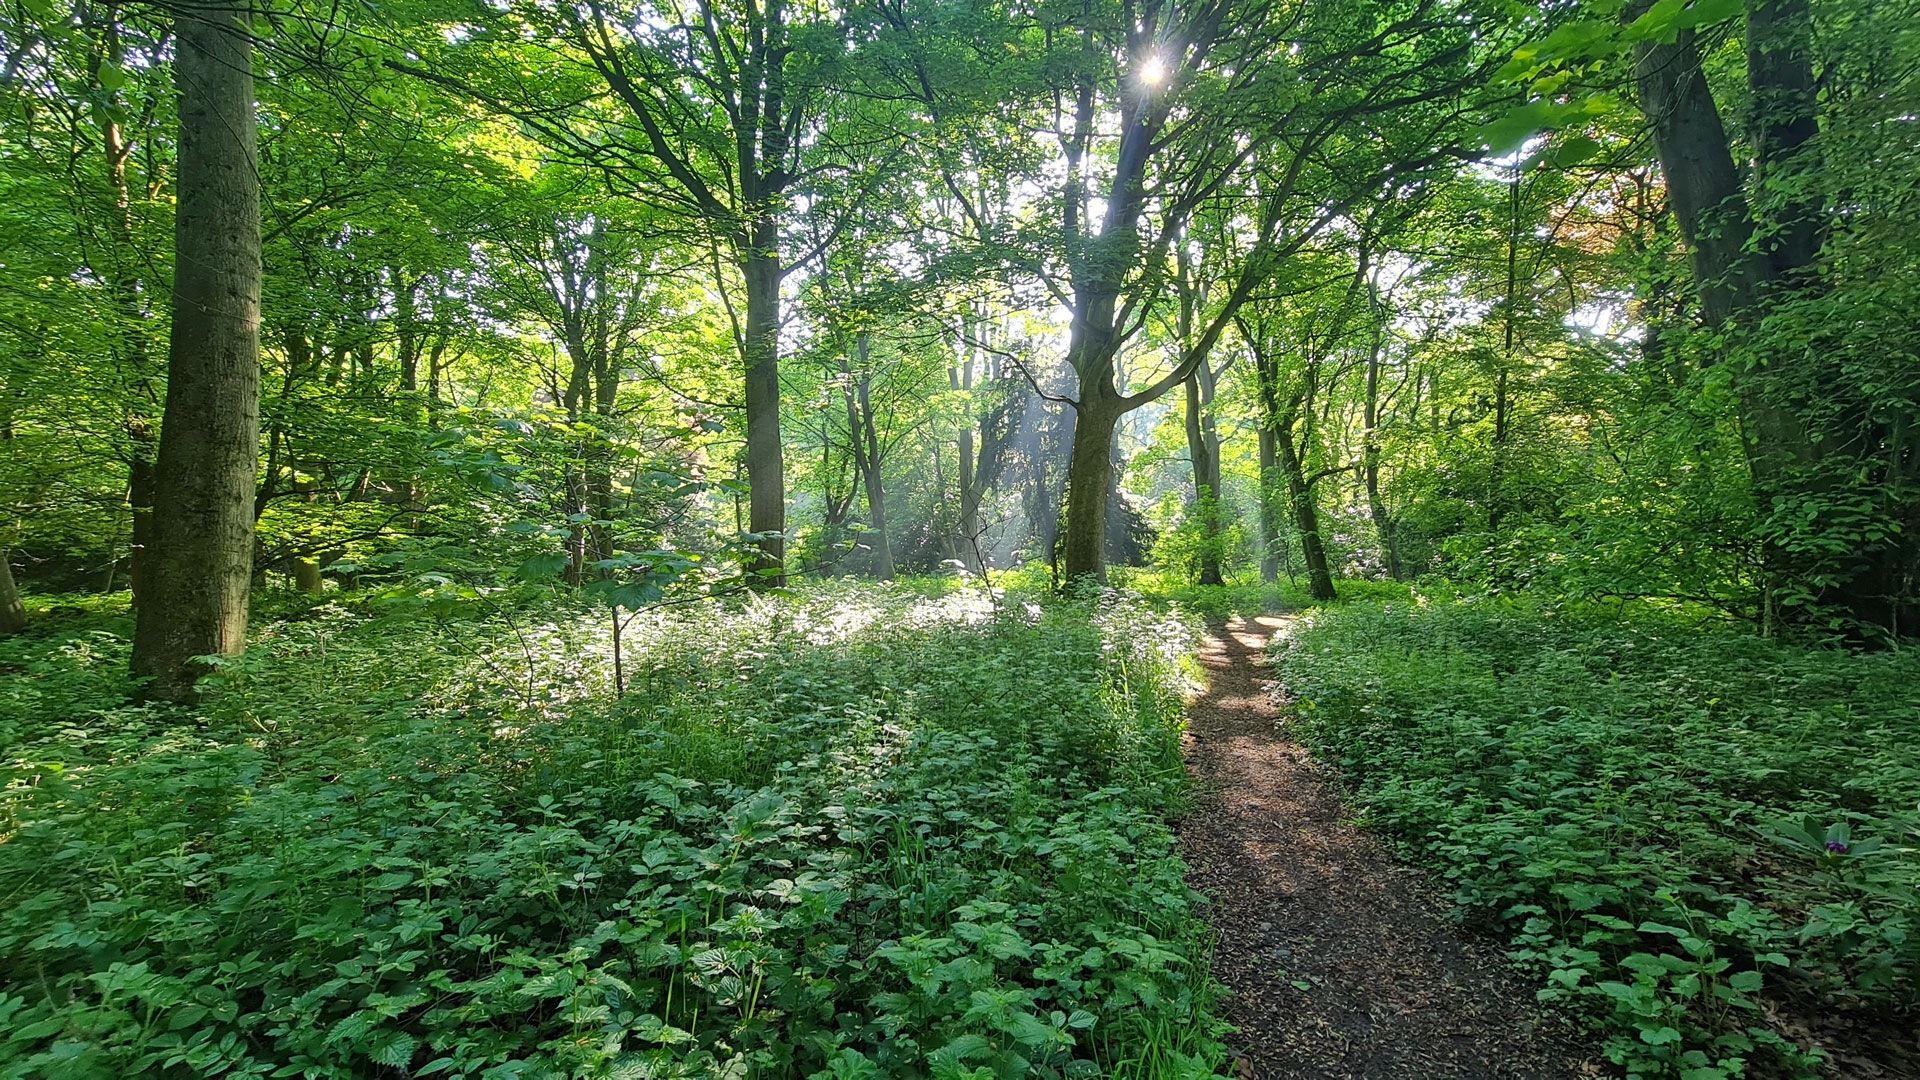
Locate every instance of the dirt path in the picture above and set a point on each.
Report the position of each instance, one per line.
(1339, 959)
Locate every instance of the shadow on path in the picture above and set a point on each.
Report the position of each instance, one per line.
(1340, 961)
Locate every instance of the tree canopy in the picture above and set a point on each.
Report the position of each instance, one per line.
(582, 340)
(1602, 297)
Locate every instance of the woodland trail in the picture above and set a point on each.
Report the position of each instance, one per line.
(1340, 962)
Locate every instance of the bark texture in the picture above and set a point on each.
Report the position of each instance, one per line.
(1306, 513)
(984, 445)
(1383, 523)
(306, 576)
(1203, 447)
(1703, 184)
(766, 478)
(1089, 476)
(13, 613)
(199, 565)
(1709, 203)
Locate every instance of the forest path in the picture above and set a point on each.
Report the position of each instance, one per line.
(1340, 961)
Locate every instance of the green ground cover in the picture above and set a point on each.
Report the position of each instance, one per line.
(853, 833)
(1246, 595)
(1693, 832)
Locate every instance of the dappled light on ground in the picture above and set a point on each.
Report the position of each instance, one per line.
(848, 829)
(1341, 964)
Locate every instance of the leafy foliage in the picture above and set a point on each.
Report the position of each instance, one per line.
(1676, 823)
(846, 834)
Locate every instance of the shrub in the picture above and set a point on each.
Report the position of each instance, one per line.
(857, 833)
(1675, 822)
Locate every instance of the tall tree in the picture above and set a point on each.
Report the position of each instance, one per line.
(1203, 434)
(985, 438)
(1162, 110)
(1289, 348)
(869, 456)
(1793, 296)
(730, 113)
(1754, 237)
(201, 562)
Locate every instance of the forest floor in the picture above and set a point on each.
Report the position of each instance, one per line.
(1340, 959)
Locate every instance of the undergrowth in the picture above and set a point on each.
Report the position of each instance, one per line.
(860, 833)
(1247, 595)
(1694, 833)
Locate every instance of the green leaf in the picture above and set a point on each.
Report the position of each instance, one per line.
(543, 566)
(637, 594)
(1509, 133)
(961, 1049)
(1664, 20)
(1575, 150)
(393, 1050)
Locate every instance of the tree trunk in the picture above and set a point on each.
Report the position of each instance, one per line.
(1783, 120)
(576, 484)
(406, 330)
(1269, 510)
(766, 480)
(1382, 523)
(1306, 516)
(877, 510)
(140, 504)
(866, 457)
(1089, 476)
(435, 368)
(997, 427)
(199, 565)
(961, 379)
(131, 310)
(606, 395)
(1794, 462)
(834, 507)
(1203, 447)
(1710, 206)
(13, 613)
(969, 523)
(1043, 513)
(1703, 184)
(983, 445)
(306, 576)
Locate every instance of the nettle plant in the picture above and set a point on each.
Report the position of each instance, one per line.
(1686, 828)
(839, 833)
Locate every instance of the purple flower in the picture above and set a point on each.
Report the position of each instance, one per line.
(1836, 847)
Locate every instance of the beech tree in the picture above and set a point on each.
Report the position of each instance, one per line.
(200, 563)
(729, 114)
(1159, 111)
(1765, 199)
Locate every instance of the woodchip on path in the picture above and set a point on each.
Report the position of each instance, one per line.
(1340, 960)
